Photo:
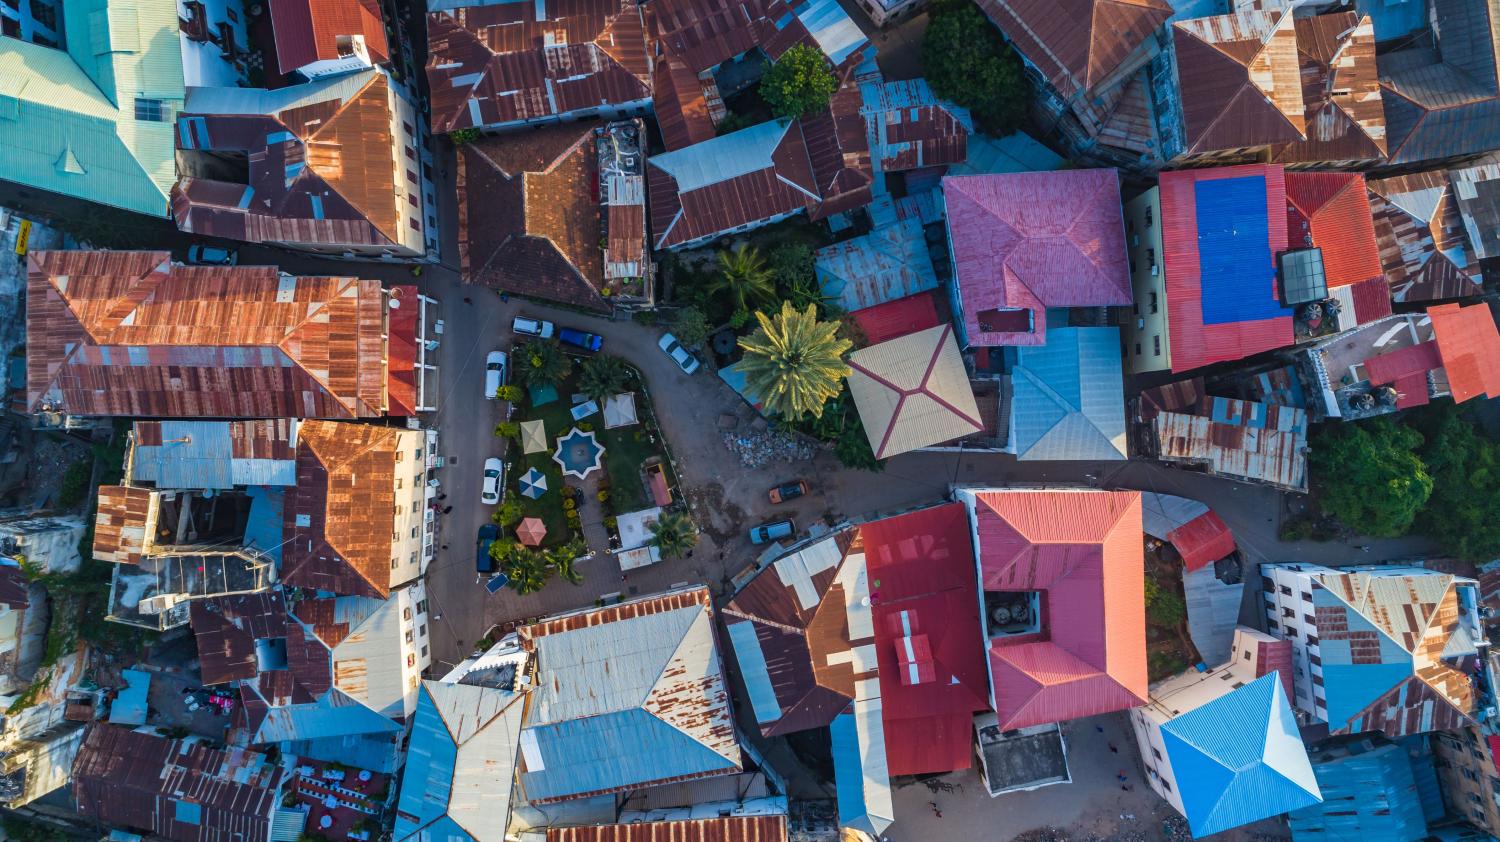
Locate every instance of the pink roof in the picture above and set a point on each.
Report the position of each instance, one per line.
(1029, 241)
(1470, 347)
(927, 637)
(1082, 551)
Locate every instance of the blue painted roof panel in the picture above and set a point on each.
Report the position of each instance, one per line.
(848, 769)
(428, 780)
(129, 707)
(1067, 400)
(1370, 796)
(1236, 266)
(753, 670)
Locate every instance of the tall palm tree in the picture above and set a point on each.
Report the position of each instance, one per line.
(561, 558)
(794, 363)
(602, 377)
(744, 277)
(542, 363)
(674, 533)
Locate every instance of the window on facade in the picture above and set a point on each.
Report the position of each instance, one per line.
(1154, 306)
(411, 176)
(406, 613)
(1151, 257)
(1287, 612)
(1137, 349)
(400, 456)
(411, 154)
(1156, 345)
(393, 564)
(424, 651)
(1285, 590)
(409, 636)
(1155, 753)
(148, 110)
(407, 127)
(398, 482)
(1148, 216)
(1306, 597)
(1166, 784)
(422, 606)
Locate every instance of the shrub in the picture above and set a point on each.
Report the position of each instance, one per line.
(967, 62)
(508, 430)
(602, 496)
(569, 504)
(799, 83)
(586, 426)
(463, 136)
(75, 483)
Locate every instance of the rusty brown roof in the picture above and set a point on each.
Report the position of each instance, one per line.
(1423, 247)
(497, 63)
(339, 518)
(1077, 44)
(1239, 80)
(125, 524)
(529, 220)
(130, 333)
(332, 181)
(838, 148)
(732, 829)
(1341, 91)
(226, 629)
(133, 780)
(705, 33)
(681, 107)
(308, 30)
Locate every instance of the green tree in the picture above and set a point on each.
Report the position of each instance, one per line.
(852, 447)
(674, 534)
(542, 363)
(526, 567)
(690, 327)
(799, 83)
(794, 271)
(602, 376)
(463, 136)
(794, 362)
(508, 513)
(966, 62)
(1163, 607)
(1463, 514)
(508, 430)
(1369, 476)
(509, 393)
(562, 558)
(743, 279)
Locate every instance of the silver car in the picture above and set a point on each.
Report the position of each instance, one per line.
(494, 477)
(680, 355)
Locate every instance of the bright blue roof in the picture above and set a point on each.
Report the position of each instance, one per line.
(129, 707)
(848, 769)
(614, 750)
(263, 524)
(1369, 796)
(1067, 400)
(1229, 775)
(1352, 686)
(1238, 274)
(428, 779)
(376, 752)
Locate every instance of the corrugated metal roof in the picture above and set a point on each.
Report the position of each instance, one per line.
(642, 673)
(1331, 212)
(215, 454)
(1385, 638)
(1341, 91)
(181, 790)
(1423, 244)
(1077, 44)
(913, 392)
(130, 333)
(124, 523)
(1443, 102)
(461, 762)
(909, 127)
(1369, 793)
(894, 319)
(890, 262)
(1029, 241)
(1477, 188)
(705, 33)
(309, 30)
(129, 706)
(1220, 242)
(1273, 456)
(497, 63)
(1230, 776)
(1082, 551)
(1469, 345)
(72, 128)
(1067, 397)
(731, 829)
(1202, 540)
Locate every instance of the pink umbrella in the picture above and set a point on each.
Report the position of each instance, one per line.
(531, 531)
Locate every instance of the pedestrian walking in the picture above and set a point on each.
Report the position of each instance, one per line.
(443, 496)
(447, 509)
(1099, 728)
(935, 810)
(445, 546)
(1113, 749)
(468, 300)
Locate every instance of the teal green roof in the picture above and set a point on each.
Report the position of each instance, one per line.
(67, 117)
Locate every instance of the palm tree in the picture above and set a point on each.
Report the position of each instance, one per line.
(744, 278)
(562, 557)
(674, 533)
(542, 363)
(794, 363)
(602, 377)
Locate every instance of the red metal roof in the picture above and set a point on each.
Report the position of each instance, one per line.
(1035, 240)
(1082, 551)
(1193, 343)
(1203, 540)
(732, 829)
(401, 352)
(1412, 360)
(1470, 347)
(921, 577)
(896, 318)
(308, 30)
(1331, 211)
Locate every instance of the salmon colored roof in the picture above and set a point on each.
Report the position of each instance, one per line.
(1331, 211)
(1082, 551)
(1470, 347)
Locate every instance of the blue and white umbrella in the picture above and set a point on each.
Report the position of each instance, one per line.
(533, 484)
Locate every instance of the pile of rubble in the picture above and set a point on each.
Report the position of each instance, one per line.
(759, 448)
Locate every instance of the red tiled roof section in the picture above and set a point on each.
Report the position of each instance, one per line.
(1469, 344)
(308, 30)
(130, 333)
(1396, 366)
(1240, 81)
(1202, 540)
(500, 63)
(1082, 550)
(529, 220)
(1331, 211)
(1345, 115)
(1077, 44)
(346, 495)
(732, 829)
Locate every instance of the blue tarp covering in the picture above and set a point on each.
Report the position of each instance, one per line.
(263, 525)
(848, 770)
(753, 670)
(1238, 274)
(1369, 796)
(129, 707)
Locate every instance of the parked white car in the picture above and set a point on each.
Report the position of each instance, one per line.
(680, 355)
(494, 477)
(532, 327)
(494, 373)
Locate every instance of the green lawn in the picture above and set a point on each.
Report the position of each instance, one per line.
(550, 507)
(623, 457)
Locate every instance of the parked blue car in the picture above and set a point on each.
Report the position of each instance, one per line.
(580, 339)
(784, 528)
(482, 561)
